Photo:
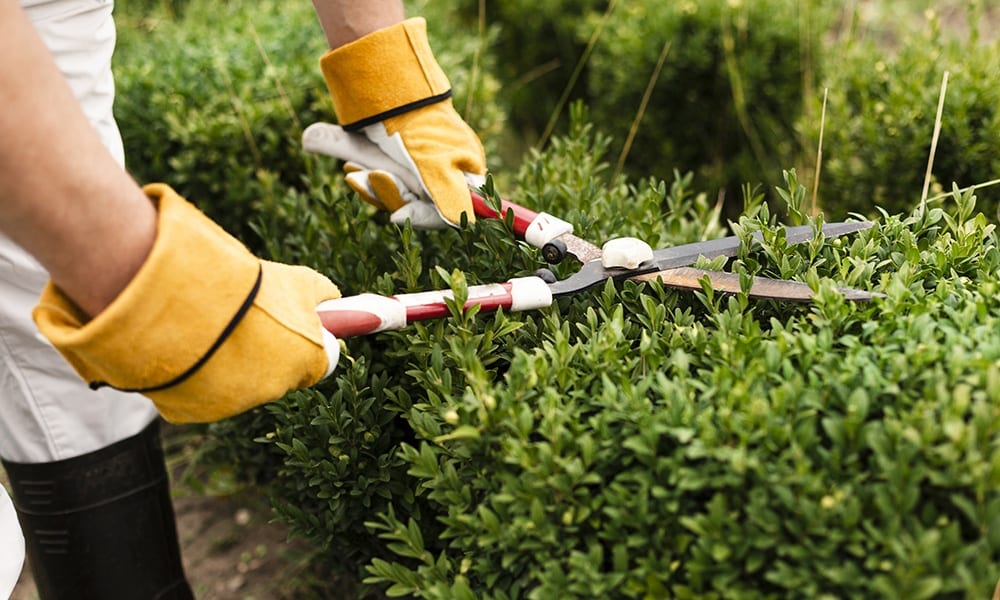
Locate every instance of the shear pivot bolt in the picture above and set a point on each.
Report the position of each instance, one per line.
(554, 251)
(626, 253)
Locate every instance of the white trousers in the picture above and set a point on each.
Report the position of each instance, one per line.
(47, 412)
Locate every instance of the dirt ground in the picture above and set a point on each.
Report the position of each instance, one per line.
(230, 550)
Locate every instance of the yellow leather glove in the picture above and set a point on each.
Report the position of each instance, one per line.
(205, 329)
(389, 93)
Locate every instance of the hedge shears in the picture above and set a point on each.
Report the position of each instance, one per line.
(619, 259)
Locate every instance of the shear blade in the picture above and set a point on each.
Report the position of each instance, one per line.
(667, 260)
(688, 278)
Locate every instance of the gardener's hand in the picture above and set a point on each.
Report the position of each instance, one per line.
(407, 149)
(204, 329)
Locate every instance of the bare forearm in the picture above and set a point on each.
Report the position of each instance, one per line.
(344, 21)
(62, 196)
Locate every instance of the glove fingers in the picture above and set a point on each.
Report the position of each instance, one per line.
(397, 158)
(356, 150)
(450, 191)
(421, 214)
(335, 141)
(441, 149)
(286, 294)
(382, 190)
(358, 181)
(390, 190)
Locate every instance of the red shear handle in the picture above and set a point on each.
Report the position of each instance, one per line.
(523, 217)
(537, 229)
(371, 313)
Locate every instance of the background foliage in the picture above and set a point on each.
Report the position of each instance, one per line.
(631, 441)
(736, 75)
(883, 106)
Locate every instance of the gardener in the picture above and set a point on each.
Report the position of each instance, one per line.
(139, 291)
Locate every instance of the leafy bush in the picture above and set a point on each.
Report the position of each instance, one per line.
(538, 45)
(724, 105)
(882, 107)
(733, 84)
(217, 111)
(640, 442)
(630, 441)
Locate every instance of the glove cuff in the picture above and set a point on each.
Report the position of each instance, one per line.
(384, 74)
(187, 254)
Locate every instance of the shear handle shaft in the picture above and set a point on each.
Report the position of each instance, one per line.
(523, 217)
(538, 229)
(370, 313)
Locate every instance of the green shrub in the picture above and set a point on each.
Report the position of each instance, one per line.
(217, 111)
(724, 105)
(538, 45)
(880, 120)
(630, 441)
(733, 84)
(639, 442)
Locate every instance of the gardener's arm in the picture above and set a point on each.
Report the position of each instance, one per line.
(62, 196)
(344, 21)
(147, 293)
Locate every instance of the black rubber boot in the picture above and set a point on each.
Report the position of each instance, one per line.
(101, 526)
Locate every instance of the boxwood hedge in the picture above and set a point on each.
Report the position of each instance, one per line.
(630, 441)
(641, 442)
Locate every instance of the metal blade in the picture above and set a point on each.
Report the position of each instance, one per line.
(688, 254)
(688, 278)
(593, 272)
(583, 250)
